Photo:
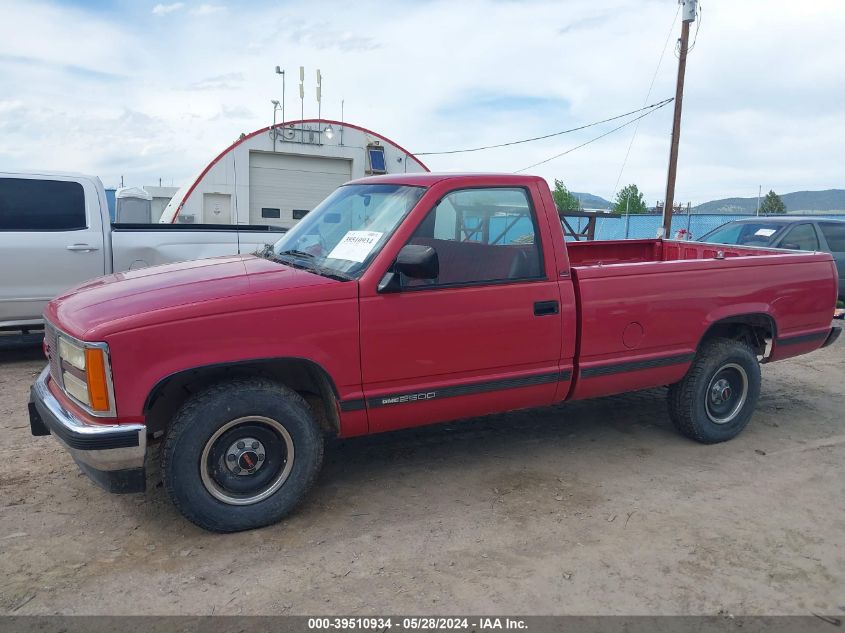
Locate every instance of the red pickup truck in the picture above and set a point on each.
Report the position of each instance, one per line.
(400, 301)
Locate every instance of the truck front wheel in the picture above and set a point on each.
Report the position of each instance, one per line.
(241, 455)
(715, 400)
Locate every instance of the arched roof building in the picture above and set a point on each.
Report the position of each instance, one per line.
(276, 175)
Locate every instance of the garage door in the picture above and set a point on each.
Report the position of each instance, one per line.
(283, 188)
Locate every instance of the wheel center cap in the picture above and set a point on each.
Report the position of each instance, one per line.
(248, 459)
(721, 392)
(245, 456)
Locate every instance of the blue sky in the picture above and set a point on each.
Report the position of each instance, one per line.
(149, 90)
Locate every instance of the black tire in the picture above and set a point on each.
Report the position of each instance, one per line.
(204, 440)
(698, 405)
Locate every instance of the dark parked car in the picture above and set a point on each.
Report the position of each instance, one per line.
(800, 234)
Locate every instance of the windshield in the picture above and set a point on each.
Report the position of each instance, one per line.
(345, 231)
(744, 233)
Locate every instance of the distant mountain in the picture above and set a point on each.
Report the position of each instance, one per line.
(828, 200)
(589, 201)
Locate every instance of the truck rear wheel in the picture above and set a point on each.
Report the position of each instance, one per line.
(715, 400)
(241, 455)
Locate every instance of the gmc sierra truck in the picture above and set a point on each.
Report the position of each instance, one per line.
(399, 301)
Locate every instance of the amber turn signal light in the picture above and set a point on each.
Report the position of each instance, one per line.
(98, 390)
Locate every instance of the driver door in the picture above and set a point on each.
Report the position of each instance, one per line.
(484, 335)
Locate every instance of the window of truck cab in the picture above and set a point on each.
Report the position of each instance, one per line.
(347, 230)
(35, 204)
(482, 235)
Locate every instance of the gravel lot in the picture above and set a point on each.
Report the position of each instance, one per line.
(584, 508)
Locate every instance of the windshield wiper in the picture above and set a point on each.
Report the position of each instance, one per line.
(293, 258)
(296, 253)
(331, 273)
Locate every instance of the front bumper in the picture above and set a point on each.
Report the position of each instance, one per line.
(110, 454)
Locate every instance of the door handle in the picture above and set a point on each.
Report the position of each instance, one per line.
(83, 248)
(544, 308)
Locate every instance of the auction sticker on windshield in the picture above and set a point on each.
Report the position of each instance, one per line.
(766, 232)
(355, 246)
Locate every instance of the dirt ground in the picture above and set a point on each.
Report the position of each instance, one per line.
(595, 507)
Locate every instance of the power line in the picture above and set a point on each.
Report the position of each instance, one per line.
(656, 105)
(592, 140)
(648, 94)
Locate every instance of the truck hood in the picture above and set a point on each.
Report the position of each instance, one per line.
(189, 289)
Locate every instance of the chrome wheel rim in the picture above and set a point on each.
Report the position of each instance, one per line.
(247, 460)
(726, 394)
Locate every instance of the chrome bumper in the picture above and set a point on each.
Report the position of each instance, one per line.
(110, 454)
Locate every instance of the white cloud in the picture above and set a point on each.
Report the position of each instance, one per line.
(10, 106)
(225, 81)
(207, 9)
(164, 9)
(324, 35)
(116, 94)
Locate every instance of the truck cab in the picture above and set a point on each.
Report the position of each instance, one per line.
(48, 221)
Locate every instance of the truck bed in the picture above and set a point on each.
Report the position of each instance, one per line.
(646, 304)
(600, 253)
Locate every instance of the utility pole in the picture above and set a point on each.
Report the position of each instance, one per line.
(281, 72)
(274, 130)
(342, 102)
(759, 191)
(302, 102)
(688, 16)
(319, 104)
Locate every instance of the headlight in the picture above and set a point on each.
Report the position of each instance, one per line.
(84, 374)
(72, 354)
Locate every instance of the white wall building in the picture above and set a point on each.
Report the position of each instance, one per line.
(161, 198)
(276, 176)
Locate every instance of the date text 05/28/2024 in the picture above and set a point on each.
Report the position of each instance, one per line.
(416, 623)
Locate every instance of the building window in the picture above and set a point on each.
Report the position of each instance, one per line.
(271, 213)
(298, 214)
(377, 161)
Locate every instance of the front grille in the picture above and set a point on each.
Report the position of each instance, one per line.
(51, 345)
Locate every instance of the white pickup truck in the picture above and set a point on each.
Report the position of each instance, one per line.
(55, 232)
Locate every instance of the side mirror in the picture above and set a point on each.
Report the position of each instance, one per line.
(415, 261)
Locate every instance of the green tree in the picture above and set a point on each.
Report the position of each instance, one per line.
(564, 200)
(772, 204)
(630, 200)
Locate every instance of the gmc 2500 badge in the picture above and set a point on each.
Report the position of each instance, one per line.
(410, 397)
